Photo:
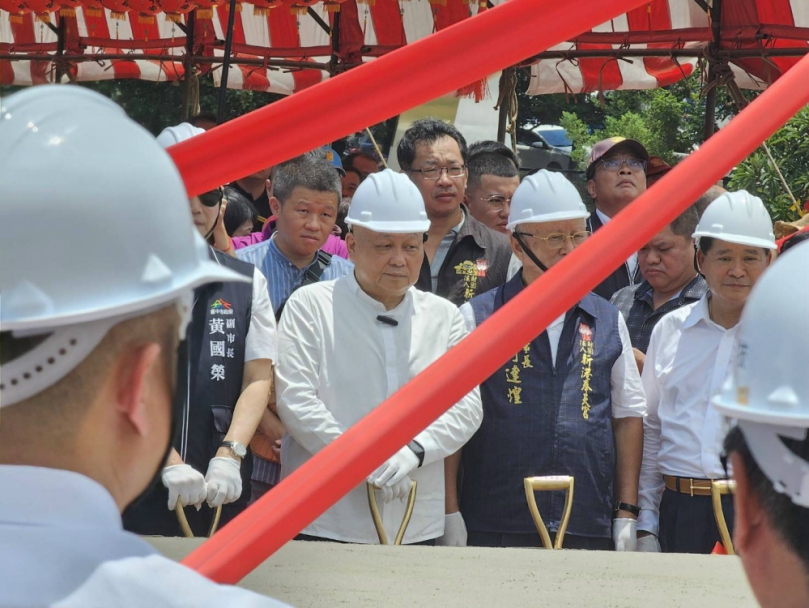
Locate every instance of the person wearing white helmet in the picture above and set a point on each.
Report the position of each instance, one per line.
(90, 346)
(232, 347)
(687, 361)
(349, 344)
(767, 392)
(568, 403)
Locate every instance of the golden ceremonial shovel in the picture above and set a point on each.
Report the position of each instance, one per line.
(187, 531)
(380, 528)
(552, 482)
(720, 487)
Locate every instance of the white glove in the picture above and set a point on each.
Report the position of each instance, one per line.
(400, 490)
(454, 531)
(648, 544)
(395, 469)
(224, 481)
(185, 484)
(625, 534)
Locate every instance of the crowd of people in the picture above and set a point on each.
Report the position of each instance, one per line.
(302, 296)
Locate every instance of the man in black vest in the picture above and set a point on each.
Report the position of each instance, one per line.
(232, 346)
(616, 176)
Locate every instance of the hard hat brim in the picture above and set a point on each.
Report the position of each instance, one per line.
(733, 409)
(392, 227)
(737, 239)
(549, 217)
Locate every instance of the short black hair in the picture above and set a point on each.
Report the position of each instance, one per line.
(490, 158)
(348, 161)
(310, 170)
(798, 237)
(239, 210)
(710, 195)
(790, 521)
(427, 131)
(686, 223)
(206, 117)
(353, 170)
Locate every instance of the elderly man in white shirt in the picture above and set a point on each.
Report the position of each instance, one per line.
(347, 345)
(89, 353)
(687, 362)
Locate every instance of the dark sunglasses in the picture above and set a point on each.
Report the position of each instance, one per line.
(211, 198)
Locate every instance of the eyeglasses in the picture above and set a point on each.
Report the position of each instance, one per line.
(435, 173)
(559, 240)
(615, 164)
(211, 198)
(496, 201)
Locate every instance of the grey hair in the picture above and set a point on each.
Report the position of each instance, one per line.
(311, 171)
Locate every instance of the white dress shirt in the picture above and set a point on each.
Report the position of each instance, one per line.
(686, 363)
(626, 392)
(337, 363)
(62, 544)
(262, 335)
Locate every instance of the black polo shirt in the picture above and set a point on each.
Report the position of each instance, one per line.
(476, 262)
(635, 303)
(261, 205)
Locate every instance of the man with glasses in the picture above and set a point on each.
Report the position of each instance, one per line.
(616, 176)
(493, 176)
(232, 348)
(569, 403)
(462, 257)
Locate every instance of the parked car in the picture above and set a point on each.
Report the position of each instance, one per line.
(545, 147)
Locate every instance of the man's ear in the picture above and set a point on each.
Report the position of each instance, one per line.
(748, 513)
(516, 248)
(351, 244)
(137, 371)
(591, 188)
(275, 205)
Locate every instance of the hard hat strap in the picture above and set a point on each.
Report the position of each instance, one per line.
(788, 473)
(529, 253)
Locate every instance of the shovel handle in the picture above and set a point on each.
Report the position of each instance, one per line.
(380, 527)
(187, 531)
(720, 487)
(549, 483)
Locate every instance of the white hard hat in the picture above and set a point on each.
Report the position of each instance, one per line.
(545, 196)
(114, 234)
(174, 135)
(737, 217)
(388, 202)
(768, 388)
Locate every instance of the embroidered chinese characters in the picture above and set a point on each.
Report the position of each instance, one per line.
(471, 271)
(586, 352)
(220, 327)
(520, 362)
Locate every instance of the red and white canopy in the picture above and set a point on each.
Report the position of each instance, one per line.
(271, 44)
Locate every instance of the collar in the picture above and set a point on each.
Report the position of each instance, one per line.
(471, 227)
(693, 290)
(396, 313)
(515, 286)
(604, 219)
(699, 312)
(273, 250)
(54, 497)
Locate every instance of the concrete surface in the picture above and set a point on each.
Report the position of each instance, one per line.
(328, 574)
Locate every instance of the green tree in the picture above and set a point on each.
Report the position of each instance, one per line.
(790, 149)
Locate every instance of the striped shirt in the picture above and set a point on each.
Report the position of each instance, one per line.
(282, 275)
(282, 278)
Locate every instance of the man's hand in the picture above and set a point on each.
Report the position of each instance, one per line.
(185, 484)
(224, 481)
(640, 359)
(399, 490)
(648, 543)
(395, 469)
(220, 234)
(624, 534)
(454, 531)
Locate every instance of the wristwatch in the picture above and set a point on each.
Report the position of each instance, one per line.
(236, 447)
(417, 450)
(625, 506)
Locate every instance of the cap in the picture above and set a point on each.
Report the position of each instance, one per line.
(657, 167)
(605, 145)
(334, 159)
